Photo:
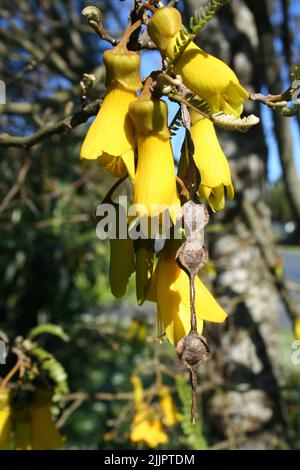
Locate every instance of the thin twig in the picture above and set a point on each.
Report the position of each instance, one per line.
(55, 128)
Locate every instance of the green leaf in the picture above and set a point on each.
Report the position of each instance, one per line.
(53, 369)
(50, 329)
(205, 14)
(232, 123)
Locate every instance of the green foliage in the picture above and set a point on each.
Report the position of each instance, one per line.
(205, 14)
(53, 369)
(197, 22)
(182, 41)
(48, 328)
(232, 123)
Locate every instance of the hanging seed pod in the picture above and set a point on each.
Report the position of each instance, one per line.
(193, 349)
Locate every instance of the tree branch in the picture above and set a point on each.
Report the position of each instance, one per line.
(56, 128)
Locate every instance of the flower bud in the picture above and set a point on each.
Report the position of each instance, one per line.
(163, 26)
(122, 68)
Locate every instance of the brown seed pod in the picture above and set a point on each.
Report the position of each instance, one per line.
(193, 349)
(192, 256)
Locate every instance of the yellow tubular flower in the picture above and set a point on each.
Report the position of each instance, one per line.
(173, 299)
(147, 428)
(138, 391)
(211, 162)
(144, 255)
(297, 328)
(168, 409)
(204, 74)
(155, 182)
(110, 138)
(5, 419)
(45, 436)
(22, 420)
(122, 263)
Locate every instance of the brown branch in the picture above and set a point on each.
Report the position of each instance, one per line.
(16, 187)
(56, 128)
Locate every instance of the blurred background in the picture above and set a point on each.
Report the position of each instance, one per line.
(55, 270)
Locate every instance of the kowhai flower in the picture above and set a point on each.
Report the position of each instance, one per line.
(297, 328)
(146, 426)
(22, 425)
(44, 434)
(170, 415)
(122, 262)
(5, 419)
(211, 162)
(110, 138)
(170, 290)
(155, 181)
(204, 74)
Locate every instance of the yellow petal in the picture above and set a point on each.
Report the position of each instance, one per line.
(155, 183)
(211, 162)
(297, 328)
(144, 255)
(173, 300)
(45, 436)
(111, 133)
(147, 428)
(168, 409)
(137, 389)
(210, 78)
(128, 160)
(22, 421)
(121, 266)
(5, 419)
(209, 156)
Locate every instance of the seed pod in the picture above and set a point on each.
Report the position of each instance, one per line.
(193, 349)
(192, 256)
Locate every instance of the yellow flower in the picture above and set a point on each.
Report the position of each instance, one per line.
(297, 328)
(211, 162)
(138, 391)
(147, 428)
(171, 292)
(137, 330)
(5, 419)
(110, 138)
(45, 436)
(144, 255)
(155, 182)
(169, 412)
(204, 74)
(122, 263)
(22, 422)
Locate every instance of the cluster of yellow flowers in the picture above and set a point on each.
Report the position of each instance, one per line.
(149, 422)
(27, 428)
(133, 122)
